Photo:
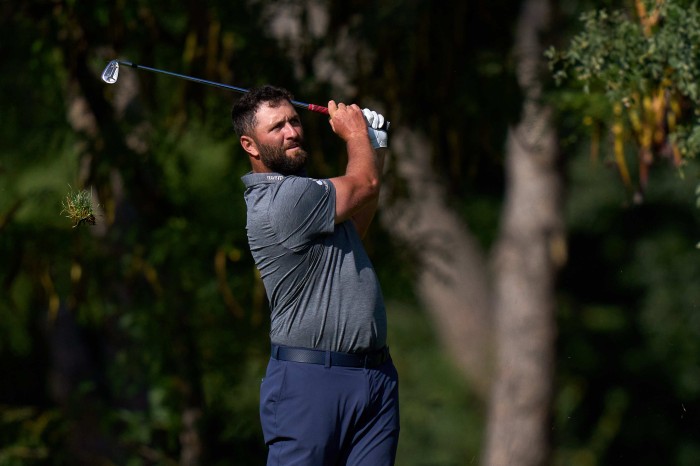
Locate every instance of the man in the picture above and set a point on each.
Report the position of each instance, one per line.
(330, 393)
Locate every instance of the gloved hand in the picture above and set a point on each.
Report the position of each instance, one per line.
(378, 137)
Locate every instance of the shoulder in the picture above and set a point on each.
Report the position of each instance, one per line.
(303, 200)
(294, 191)
(285, 196)
(303, 184)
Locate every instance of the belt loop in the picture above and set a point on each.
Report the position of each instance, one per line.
(276, 351)
(365, 359)
(328, 359)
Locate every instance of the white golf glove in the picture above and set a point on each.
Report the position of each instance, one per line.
(378, 137)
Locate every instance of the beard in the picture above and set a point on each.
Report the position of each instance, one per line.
(276, 159)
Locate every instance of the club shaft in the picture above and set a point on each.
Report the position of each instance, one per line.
(296, 103)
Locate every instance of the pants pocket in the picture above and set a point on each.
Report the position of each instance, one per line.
(271, 392)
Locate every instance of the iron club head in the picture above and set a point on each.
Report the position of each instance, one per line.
(111, 72)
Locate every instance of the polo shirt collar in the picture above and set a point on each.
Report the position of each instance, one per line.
(252, 178)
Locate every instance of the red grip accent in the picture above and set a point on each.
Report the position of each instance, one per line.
(319, 109)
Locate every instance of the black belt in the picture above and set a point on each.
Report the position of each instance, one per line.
(330, 358)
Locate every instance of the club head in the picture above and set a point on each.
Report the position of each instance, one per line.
(111, 72)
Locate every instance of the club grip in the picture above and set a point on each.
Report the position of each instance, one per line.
(324, 110)
(319, 109)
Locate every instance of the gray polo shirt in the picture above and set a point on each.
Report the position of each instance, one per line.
(322, 288)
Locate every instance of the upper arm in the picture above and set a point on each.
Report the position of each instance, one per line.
(351, 195)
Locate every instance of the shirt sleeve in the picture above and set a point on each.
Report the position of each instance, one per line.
(301, 210)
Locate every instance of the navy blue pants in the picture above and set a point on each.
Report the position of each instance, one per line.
(314, 415)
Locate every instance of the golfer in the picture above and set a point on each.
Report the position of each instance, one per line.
(330, 393)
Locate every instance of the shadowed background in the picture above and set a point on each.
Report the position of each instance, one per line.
(143, 339)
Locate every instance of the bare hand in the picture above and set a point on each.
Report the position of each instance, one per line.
(347, 121)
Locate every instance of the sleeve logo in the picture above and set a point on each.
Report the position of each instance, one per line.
(322, 183)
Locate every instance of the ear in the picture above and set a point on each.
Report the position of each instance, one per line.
(249, 146)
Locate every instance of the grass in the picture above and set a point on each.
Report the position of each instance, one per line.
(78, 207)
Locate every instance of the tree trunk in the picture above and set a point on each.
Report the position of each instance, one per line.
(531, 246)
(453, 280)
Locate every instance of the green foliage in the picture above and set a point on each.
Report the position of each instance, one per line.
(112, 334)
(27, 435)
(628, 326)
(614, 55)
(431, 392)
(160, 297)
(118, 330)
(647, 66)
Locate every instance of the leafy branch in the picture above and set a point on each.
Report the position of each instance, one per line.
(646, 65)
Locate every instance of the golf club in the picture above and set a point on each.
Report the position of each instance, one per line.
(111, 74)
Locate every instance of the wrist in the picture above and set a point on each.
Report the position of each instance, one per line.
(357, 136)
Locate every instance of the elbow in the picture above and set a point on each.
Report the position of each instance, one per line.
(372, 190)
(375, 185)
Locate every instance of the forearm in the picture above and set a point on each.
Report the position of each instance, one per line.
(357, 191)
(362, 163)
(359, 185)
(363, 217)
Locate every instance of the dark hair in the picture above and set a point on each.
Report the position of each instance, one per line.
(243, 111)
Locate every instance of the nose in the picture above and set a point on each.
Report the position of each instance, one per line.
(291, 131)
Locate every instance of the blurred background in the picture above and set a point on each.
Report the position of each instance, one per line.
(536, 243)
